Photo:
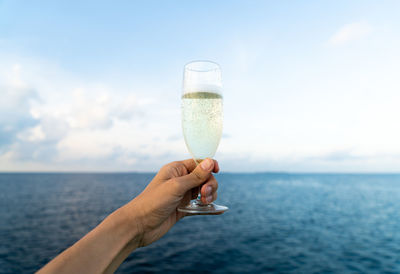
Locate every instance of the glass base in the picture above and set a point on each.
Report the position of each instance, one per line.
(197, 207)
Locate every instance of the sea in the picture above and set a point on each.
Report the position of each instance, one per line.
(276, 223)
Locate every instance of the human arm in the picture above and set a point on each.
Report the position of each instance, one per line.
(140, 222)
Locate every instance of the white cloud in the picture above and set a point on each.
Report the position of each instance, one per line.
(350, 32)
(65, 124)
(335, 113)
(16, 99)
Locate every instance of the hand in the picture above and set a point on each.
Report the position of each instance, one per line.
(142, 221)
(155, 209)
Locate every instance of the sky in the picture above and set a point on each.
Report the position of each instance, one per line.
(309, 86)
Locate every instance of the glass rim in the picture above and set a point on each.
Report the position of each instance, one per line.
(214, 66)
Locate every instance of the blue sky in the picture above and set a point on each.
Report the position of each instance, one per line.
(308, 86)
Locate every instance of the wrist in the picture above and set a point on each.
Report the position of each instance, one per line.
(131, 221)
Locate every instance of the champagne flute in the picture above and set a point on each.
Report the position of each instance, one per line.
(202, 120)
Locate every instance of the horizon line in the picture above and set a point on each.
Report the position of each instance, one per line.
(224, 172)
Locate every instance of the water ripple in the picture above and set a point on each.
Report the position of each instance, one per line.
(278, 223)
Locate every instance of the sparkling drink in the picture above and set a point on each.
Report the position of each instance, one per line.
(202, 123)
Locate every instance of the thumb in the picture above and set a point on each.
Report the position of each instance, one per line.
(197, 177)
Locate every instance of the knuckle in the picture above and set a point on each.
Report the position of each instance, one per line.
(173, 169)
(177, 168)
(197, 176)
(181, 168)
(174, 163)
(165, 168)
(171, 164)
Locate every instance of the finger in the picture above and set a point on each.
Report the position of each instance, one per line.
(210, 198)
(196, 178)
(209, 187)
(216, 166)
(190, 165)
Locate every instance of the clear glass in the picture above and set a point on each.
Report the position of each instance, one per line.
(202, 116)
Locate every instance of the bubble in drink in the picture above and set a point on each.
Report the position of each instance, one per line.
(202, 122)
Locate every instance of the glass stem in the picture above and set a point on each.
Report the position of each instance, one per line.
(198, 199)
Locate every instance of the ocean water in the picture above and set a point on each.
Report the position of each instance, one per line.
(277, 223)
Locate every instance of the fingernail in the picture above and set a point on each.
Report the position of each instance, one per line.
(209, 199)
(206, 164)
(208, 190)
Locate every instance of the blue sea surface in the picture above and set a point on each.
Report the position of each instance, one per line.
(277, 223)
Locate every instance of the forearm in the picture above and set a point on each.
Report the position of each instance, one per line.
(103, 249)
